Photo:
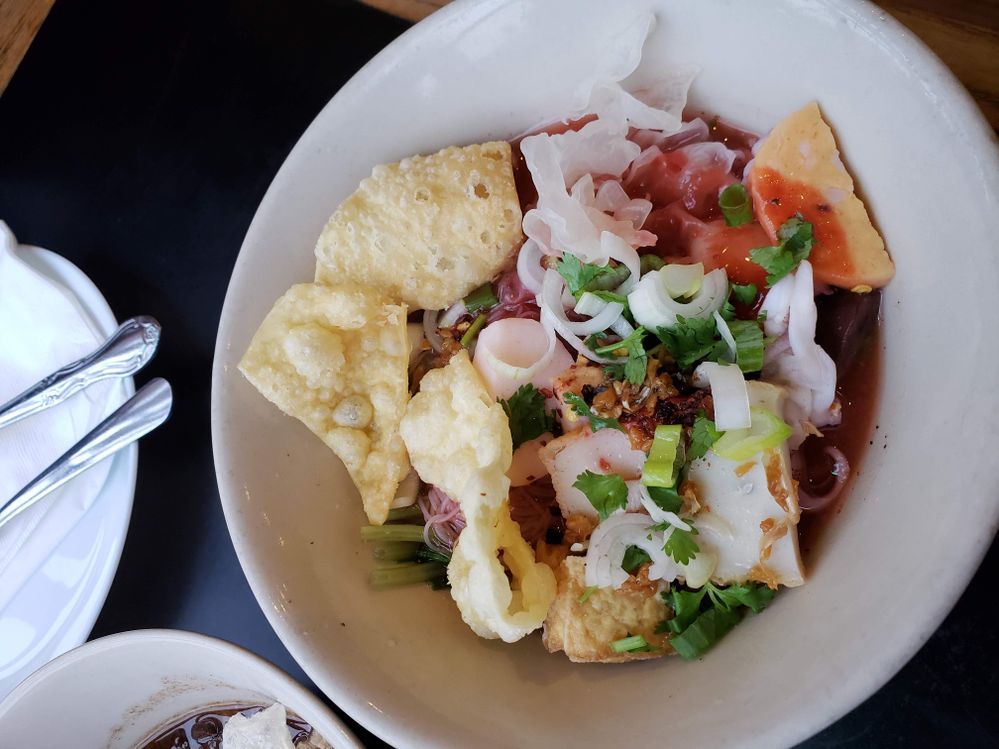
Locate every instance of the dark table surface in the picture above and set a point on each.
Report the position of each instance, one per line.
(136, 139)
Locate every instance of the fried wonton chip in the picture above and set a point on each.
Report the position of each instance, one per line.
(336, 359)
(456, 434)
(492, 604)
(585, 630)
(459, 440)
(427, 230)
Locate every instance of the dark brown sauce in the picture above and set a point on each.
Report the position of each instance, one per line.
(203, 730)
(859, 390)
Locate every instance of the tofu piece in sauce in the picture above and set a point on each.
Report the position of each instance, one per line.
(750, 510)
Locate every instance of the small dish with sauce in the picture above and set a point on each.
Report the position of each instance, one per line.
(152, 689)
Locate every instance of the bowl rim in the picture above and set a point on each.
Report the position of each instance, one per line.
(319, 716)
(853, 690)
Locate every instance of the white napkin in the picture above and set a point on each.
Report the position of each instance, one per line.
(42, 327)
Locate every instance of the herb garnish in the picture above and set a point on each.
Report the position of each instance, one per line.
(526, 412)
(606, 493)
(580, 276)
(694, 629)
(702, 436)
(796, 238)
(634, 369)
(580, 408)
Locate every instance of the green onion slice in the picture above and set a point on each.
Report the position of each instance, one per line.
(665, 458)
(650, 262)
(392, 533)
(632, 644)
(405, 574)
(765, 431)
(473, 331)
(735, 205)
(481, 298)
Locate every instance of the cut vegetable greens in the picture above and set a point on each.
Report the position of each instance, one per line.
(702, 436)
(735, 205)
(681, 546)
(634, 557)
(634, 368)
(694, 629)
(526, 413)
(481, 298)
(631, 644)
(580, 408)
(796, 238)
(580, 276)
(606, 493)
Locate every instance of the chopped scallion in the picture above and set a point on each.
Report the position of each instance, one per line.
(650, 262)
(632, 644)
(481, 298)
(665, 458)
(587, 593)
(765, 431)
(392, 533)
(406, 574)
(735, 205)
(473, 331)
(395, 551)
(403, 514)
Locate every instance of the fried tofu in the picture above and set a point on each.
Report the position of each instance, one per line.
(585, 631)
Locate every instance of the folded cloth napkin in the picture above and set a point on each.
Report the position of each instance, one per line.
(42, 327)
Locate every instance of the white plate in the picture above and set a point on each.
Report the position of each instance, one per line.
(920, 516)
(58, 605)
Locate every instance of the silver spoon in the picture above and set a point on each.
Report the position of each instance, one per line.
(127, 351)
(138, 416)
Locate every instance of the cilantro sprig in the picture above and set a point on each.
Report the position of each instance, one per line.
(796, 238)
(526, 412)
(633, 369)
(580, 408)
(702, 617)
(634, 557)
(580, 276)
(702, 436)
(606, 492)
(692, 340)
(745, 293)
(681, 546)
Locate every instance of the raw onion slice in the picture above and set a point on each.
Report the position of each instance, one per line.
(726, 334)
(452, 314)
(529, 268)
(658, 514)
(654, 308)
(430, 329)
(728, 392)
(682, 279)
(550, 301)
(611, 540)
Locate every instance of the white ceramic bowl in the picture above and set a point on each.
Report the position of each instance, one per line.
(920, 516)
(116, 691)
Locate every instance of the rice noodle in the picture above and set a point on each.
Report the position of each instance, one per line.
(444, 520)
